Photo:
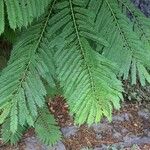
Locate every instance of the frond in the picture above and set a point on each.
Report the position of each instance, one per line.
(46, 127)
(21, 12)
(87, 78)
(141, 23)
(2, 23)
(22, 91)
(128, 38)
(72, 47)
(8, 136)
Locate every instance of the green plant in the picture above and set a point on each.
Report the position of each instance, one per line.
(135, 147)
(78, 46)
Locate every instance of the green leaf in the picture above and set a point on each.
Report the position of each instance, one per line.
(2, 23)
(46, 128)
(14, 118)
(128, 38)
(21, 13)
(8, 136)
(5, 112)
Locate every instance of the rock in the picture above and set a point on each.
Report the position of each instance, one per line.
(144, 113)
(138, 141)
(124, 130)
(101, 147)
(117, 135)
(144, 140)
(126, 117)
(98, 136)
(147, 132)
(97, 127)
(121, 117)
(117, 118)
(58, 146)
(68, 131)
(130, 138)
(118, 146)
(101, 127)
(32, 143)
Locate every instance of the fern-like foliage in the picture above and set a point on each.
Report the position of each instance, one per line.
(46, 127)
(22, 91)
(8, 136)
(17, 85)
(129, 40)
(21, 12)
(78, 46)
(87, 78)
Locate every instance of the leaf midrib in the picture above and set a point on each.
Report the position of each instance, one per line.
(82, 49)
(119, 28)
(25, 73)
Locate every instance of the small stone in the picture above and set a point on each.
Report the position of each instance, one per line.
(145, 114)
(69, 131)
(32, 143)
(117, 135)
(121, 117)
(126, 117)
(101, 147)
(97, 127)
(117, 118)
(101, 127)
(148, 134)
(124, 130)
(135, 124)
(130, 138)
(58, 146)
(98, 136)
